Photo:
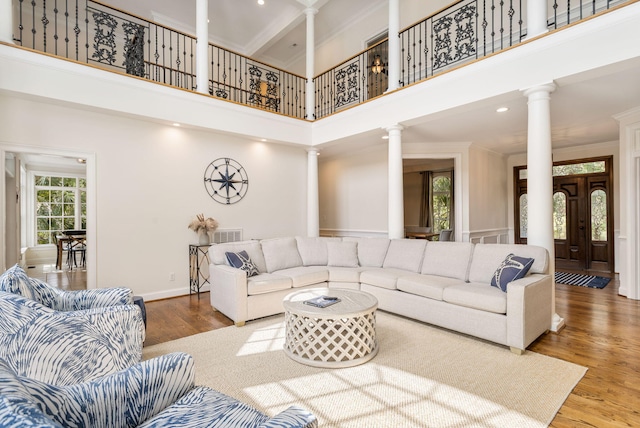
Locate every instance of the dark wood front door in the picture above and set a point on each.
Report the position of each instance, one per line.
(583, 220)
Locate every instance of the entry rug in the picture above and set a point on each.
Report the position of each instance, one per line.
(590, 281)
(422, 377)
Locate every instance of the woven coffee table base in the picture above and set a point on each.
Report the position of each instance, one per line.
(332, 343)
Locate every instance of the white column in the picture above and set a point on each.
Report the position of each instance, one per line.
(6, 21)
(313, 204)
(202, 46)
(394, 45)
(536, 18)
(396, 186)
(311, 96)
(540, 179)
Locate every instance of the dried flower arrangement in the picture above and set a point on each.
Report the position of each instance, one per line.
(203, 225)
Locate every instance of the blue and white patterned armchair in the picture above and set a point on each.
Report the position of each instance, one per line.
(64, 348)
(16, 281)
(154, 393)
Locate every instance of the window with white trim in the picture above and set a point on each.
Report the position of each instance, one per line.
(60, 204)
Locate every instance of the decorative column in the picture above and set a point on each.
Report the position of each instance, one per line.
(396, 186)
(540, 179)
(394, 45)
(202, 46)
(311, 96)
(6, 21)
(313, 204)
(536, 18)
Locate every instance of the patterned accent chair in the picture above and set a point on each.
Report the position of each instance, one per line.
(155, 393)
(64, 348)
(16, 281)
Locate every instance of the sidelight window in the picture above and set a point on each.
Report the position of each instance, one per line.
(559, 215)
(598, 215)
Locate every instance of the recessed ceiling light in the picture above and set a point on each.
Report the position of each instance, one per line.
(385, 137)
(260, 2)
(176, 124)
(80, 160)
(264, 140)
(502, 109)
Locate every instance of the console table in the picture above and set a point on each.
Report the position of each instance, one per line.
(198, 257)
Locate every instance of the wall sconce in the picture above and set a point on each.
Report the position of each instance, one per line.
(377, 66)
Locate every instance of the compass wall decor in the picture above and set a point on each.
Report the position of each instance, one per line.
(226, 181)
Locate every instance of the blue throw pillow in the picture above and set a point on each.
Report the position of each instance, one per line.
(512, 268)
(241, 260)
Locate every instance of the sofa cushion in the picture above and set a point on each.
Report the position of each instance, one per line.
(450, 259)
(313, 251)
(371, 251)
(477, 296)
(383, 277)
(342, 274)
(487, 258)
(342, 254)
(280, 253)
(241, 260)
(217, 252)
(511, 269)
(430, 286)
(305, 275)
(405, 254)
(267, 283)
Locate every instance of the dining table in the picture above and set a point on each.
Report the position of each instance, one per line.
(70, 241)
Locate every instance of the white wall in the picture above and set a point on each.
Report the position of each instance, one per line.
(487, 196)
(149, 185)
(353, 192)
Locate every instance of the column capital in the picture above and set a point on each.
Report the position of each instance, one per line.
(396, 127)
(312, 150)
(547, 87)
(310, 11)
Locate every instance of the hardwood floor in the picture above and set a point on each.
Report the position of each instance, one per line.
(602, 333)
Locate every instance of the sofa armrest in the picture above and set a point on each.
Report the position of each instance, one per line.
(123, 399)
(293, 417)
(229, 292)
(63, 348)
(529, 309)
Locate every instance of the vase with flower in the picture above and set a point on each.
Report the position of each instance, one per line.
(204, 227)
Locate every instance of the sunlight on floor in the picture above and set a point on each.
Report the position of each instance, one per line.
(267, 339)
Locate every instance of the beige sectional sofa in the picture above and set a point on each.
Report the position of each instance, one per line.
(442, 283)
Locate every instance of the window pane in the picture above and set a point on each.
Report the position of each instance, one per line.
(69, 182)
(82, 183)
(69, 197)
(43, 195)
(559, 215)
(56, 181)
(441, 203)
(56, 210)
(69, 224)
(43, 209)
(523, 215)
(572, 169)
(42, 180)
(56, 196)
(598, 215)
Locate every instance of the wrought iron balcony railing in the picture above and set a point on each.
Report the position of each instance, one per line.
(95, 33)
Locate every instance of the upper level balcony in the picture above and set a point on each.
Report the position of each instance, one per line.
(466, 31)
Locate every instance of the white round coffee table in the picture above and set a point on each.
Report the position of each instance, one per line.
(340, 335)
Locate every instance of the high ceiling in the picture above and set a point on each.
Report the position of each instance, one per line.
(582, 109)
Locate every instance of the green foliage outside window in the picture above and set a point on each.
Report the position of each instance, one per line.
(60, 205)
(441, 203)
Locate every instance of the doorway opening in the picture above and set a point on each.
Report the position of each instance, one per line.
(582, 214)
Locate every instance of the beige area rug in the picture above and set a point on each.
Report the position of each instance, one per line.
(422, 377)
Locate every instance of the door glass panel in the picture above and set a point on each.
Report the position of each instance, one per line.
(523, 215)
(598, 215)
(559, 215)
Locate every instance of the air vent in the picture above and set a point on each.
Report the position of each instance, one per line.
(221, 236)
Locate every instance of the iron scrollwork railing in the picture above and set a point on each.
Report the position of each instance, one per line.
(466, 30)
(354, 81)
(93, 32)
(237, 78)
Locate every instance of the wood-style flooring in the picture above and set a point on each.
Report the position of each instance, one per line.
(602, 333)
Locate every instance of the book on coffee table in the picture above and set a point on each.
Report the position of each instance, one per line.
(322, 301)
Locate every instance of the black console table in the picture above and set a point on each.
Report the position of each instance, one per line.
(198, 257)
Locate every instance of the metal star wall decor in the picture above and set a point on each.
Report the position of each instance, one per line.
(226, 181)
